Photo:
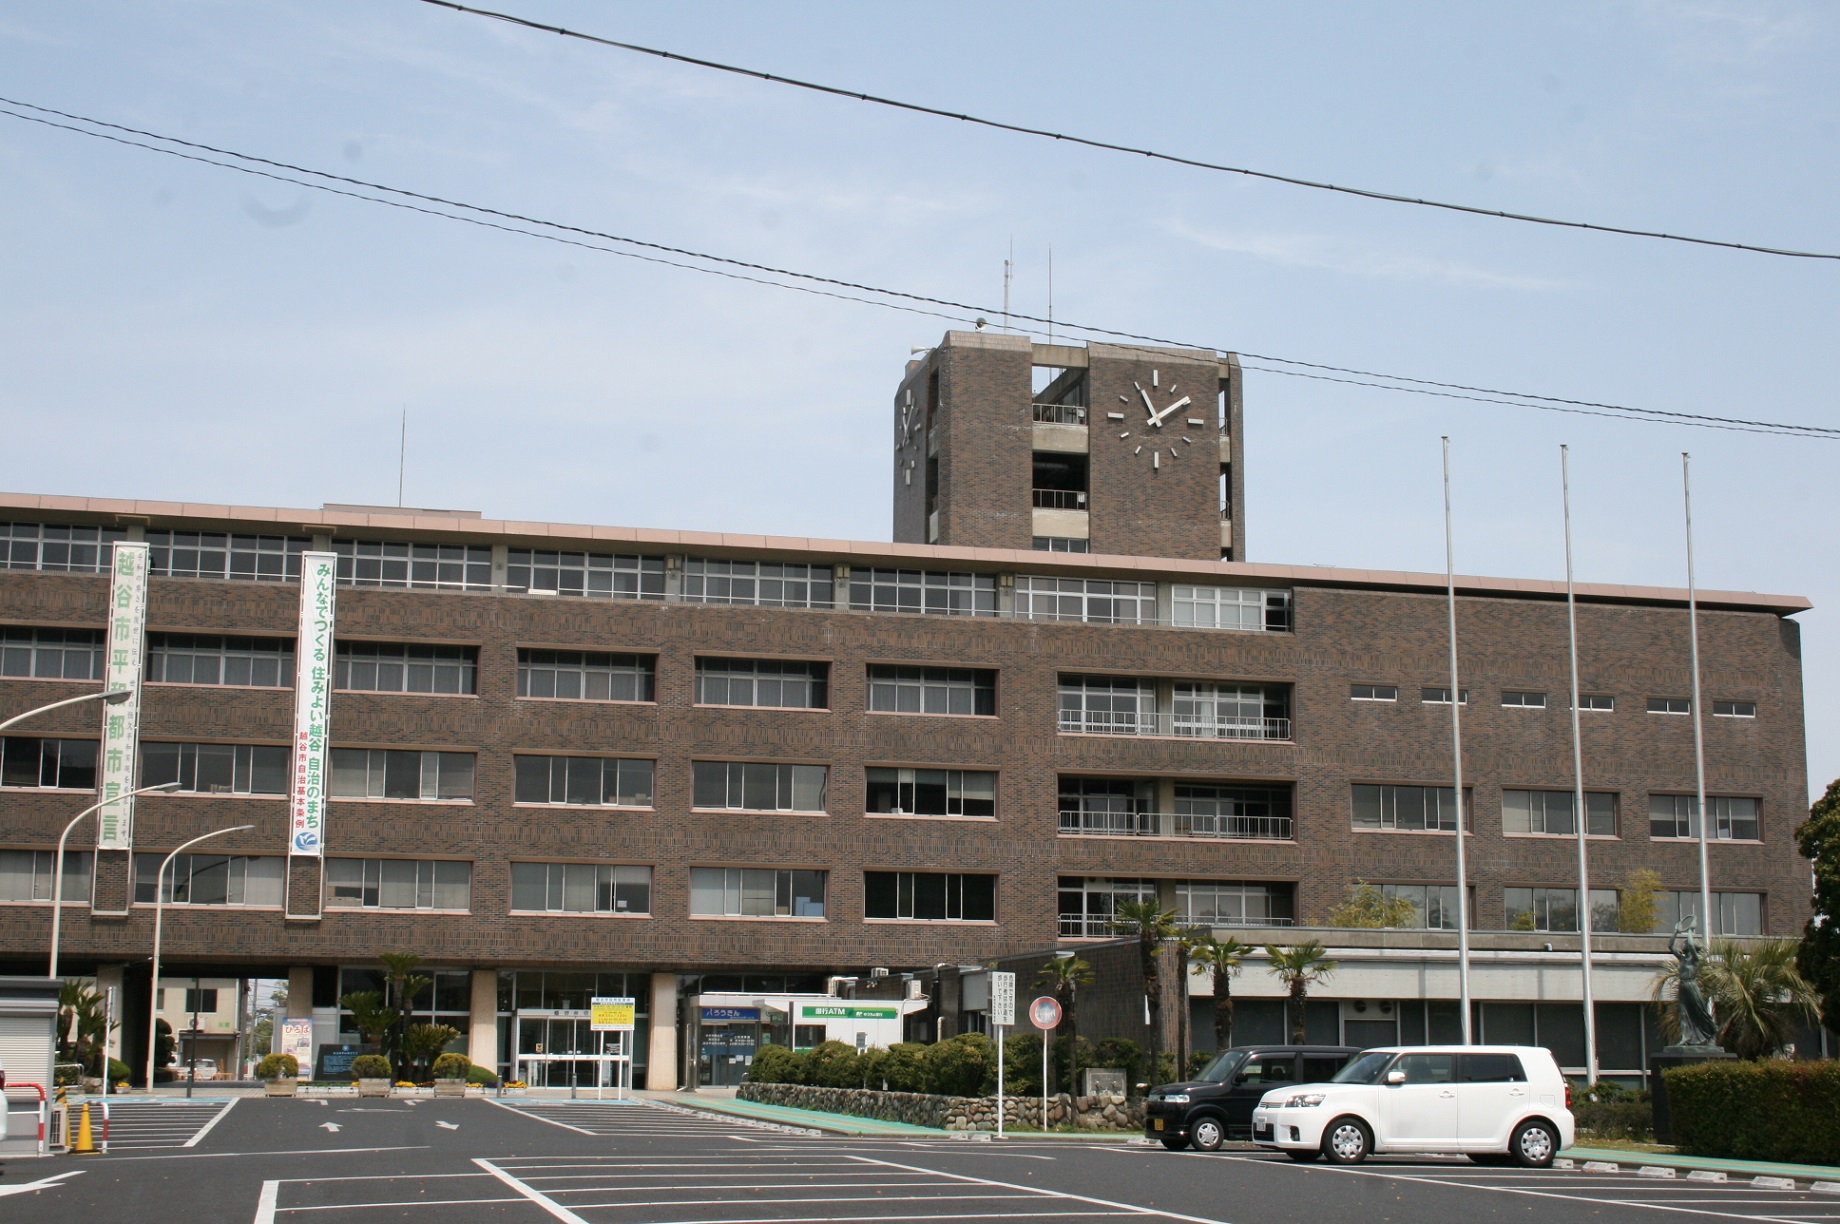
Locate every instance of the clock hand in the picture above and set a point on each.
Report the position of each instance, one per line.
(1157, 419)
(1148, 406)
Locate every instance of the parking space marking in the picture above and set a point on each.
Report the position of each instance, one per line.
(1587, 1190)
(149, 1125)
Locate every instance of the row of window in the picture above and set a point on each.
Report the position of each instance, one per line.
(1087, 805)
(1522, 699)
(468, 567)
(1087, 906)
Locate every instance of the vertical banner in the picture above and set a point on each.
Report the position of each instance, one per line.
(121, 669)
(312, 704)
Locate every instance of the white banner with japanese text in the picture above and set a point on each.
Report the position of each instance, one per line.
(312, 703)
(121, 721)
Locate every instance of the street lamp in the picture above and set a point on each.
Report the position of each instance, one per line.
(159, 915)
(112, 696)
(57, 886)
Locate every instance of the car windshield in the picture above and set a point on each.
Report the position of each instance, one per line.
(1222, 1068)
(1364, 1068)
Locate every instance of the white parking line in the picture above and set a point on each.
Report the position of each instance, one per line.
(1122, 1208)
(536, 1196)
(220, 1116)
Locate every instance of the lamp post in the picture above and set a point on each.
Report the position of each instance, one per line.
(112, 696)
(57, 885)
(159, 916)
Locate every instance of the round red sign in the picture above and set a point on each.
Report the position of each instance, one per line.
(1045, 1013)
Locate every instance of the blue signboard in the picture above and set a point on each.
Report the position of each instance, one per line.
(731, 1013)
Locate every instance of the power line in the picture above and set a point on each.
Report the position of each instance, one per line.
(1111, 147)
(911, 303)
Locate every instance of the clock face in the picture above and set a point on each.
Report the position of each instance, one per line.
(905, 449)
(1156, 424)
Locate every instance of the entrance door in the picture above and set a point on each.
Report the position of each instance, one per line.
(1421, 1114)
(728, 1052)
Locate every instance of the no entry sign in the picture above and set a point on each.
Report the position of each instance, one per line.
(1045, 1013)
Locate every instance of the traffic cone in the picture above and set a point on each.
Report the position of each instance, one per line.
(86, 1141)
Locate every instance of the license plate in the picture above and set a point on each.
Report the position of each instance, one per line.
(1159, 1124)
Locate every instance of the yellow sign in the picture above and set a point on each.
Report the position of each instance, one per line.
(611, 1015)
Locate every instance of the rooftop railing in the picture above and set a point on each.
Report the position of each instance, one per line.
(1082, 926)
(1060, 499)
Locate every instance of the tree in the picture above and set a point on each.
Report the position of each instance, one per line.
(83, 1025)
(1221, 959)
(422, 1043)
(1639, 908)
(1758, 996)
(370, 1015)
(401, 990)
(1064, 975)
(1299, 967)
(1819, 957)
(1368, 907)
(1152, 926)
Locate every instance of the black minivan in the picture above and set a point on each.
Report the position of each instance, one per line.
(1207, 1111)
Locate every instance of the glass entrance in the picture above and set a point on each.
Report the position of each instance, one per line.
(728, 1052)
(558, 1049)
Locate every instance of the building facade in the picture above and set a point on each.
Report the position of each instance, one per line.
(694, 769)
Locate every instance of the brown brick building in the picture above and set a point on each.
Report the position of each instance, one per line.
(698, 769)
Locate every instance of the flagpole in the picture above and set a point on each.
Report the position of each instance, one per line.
(1699, 738)
(1580, 812)
(1456, 745)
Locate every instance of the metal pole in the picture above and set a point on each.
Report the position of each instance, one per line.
(1580, 812)
(159, 918)
(1456, 748)
(191, 1042)
(1699, 739)
(57, 884)
(999, 1081)
(112, 696)
(1046, 1033)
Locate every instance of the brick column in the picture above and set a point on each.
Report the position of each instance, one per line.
(661, 1068)
(482, 1036)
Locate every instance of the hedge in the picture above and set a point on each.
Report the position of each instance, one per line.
(1776, 1110)
(965, 1065)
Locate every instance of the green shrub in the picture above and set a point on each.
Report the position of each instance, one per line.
(961, 1066)
(903, 1067)
(1121, 1054)
(1198, 1061)
(278, 1066)
(118, 1071)
(776, 1064)
(1022, 1065)
(452, 1066)
(370, 1066)
(1610, 1111)
(832, 1064)
(1775, 1110)
(476, 1074)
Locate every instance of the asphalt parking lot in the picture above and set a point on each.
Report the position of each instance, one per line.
(350, 1161)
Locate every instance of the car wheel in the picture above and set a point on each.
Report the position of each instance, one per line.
(1347, 1141)
(1535, 1143)
(1302, 1155)
(1175, 1143)
(1207, 1134)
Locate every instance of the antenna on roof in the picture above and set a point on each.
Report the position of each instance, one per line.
(402, 456)
(1008, 266)
(1050, 293)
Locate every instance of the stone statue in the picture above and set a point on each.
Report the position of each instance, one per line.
(1697, 1028)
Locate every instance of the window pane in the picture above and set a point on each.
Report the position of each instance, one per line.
(528, 881)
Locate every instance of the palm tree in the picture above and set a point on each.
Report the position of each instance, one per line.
(370, 1015)
(1221, 959)
(1064, 975)
(1152, 926)
(403, 987)
(1758, 996)
(1299, 967)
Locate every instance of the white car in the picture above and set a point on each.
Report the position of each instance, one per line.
(1497, 1104)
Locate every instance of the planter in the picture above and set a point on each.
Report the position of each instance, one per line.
(450, 1088)
(91, 1086)
(281, 1087)
(379, 1087)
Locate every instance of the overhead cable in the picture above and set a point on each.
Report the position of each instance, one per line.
(912, 303)
(1112, 147)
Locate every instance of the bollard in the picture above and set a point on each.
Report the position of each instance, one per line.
(86, 1139)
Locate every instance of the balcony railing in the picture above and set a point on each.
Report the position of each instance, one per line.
(1060, 414)
(1116, 722)
(1060, 499)
(1081, 926)
(1176, 824)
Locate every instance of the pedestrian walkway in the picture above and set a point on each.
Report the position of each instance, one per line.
(1731, 1168)
(836, 1124)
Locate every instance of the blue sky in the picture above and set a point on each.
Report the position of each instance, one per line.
(175, 331)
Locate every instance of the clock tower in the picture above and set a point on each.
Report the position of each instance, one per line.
(1127, 450)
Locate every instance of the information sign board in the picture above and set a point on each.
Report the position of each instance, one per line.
(1002, 998)
(611, 1014)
